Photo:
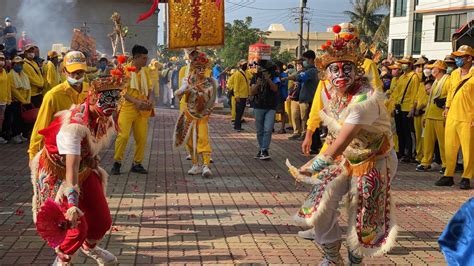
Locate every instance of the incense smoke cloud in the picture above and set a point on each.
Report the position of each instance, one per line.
(47, 22)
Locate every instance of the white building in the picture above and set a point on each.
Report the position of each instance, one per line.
(425, 27)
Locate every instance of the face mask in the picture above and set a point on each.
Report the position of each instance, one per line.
(31, 55)
(102, 67)
(427, 72)
(459, 61)
(386, 84)
(2, 63)
(74, 82)
(18, 68)
(244, 67)
(449, 70)
(305, 64)
(405, 67)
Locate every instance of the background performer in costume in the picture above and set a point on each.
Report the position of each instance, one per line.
(192, 127)
(66, 170)
(359, 160)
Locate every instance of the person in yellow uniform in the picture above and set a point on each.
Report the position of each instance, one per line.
(33, 71)
(5, 93)
(51, 74)
(72, 91)
(155, 72)
(459, 113)
(433, 119)
(134, 112)
(422, 100)
(21, 96)
(192, 126)
(405, 105)
(239, 83)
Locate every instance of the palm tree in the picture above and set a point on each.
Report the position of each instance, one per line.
(371, 21)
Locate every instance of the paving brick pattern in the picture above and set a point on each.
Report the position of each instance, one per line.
(168, 217)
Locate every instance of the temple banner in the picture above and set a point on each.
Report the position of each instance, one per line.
(193, 23)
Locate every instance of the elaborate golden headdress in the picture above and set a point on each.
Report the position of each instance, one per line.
(344, 47)
(115, 81)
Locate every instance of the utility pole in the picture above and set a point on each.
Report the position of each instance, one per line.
(307, 34)
(300, 44)
(165, 26)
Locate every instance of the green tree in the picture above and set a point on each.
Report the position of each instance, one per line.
(371, 20)
(284, 57)
(238, 36)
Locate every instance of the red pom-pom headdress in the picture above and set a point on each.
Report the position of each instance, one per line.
(344, 47)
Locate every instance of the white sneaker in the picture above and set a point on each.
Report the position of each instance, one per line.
(308, 234)
(59, 262)
(16, 140)
(206, 172)
(102, 256)
(3, 141)
(188, 158)
(195, 170)
(327, 262)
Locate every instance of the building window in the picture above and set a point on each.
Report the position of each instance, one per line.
(446, 25)
(417, 29)
(400, 8)
(277, 43)
(398, 47)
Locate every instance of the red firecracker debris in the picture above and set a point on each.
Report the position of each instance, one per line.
(266, 212)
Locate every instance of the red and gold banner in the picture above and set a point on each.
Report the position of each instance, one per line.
(193, 23)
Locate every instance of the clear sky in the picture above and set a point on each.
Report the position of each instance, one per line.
(322, 13)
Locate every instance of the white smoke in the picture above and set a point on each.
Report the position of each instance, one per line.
(47, 22)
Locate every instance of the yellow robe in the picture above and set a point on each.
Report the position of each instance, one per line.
(421, 99)
(51, 76)
(459, 130)
(33, 72)
(5, 89)
(129, 117)
(59, 98)
(434, 122)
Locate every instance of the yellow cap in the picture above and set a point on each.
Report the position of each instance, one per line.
(421, 61)
(28, 47)
(406, 60)
(52, 54)
(395, 66)
(449, 59)
(74, 61)
(464, 50)
(438, 64)
(17, 59)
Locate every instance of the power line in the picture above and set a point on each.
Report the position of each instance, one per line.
(259, 8)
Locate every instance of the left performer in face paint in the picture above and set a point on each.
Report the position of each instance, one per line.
(192, 127)
(67, 170)
(359, 160)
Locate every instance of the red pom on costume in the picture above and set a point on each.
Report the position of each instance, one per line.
(324, 47)
(51, 223)
(121, 59)
(336, 29)
(328, 43)
(131, 68)
(116, 72)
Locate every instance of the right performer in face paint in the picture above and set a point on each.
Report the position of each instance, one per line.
(359, 161)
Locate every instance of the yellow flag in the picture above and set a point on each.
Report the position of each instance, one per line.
(193, 23)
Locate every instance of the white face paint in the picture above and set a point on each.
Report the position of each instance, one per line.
(341, 75)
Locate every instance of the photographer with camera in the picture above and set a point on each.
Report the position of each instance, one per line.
(264, 91)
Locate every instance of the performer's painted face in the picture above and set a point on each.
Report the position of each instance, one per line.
(201, 71)
(341, 74)
(107, 102)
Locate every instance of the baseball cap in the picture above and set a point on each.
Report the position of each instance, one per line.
(8, 19)
(438, 64)
(464, 50)
(74, 61)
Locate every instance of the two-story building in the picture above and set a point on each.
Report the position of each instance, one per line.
(289, 40)
(425, 27)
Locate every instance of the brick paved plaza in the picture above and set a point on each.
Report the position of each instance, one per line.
(170, 217)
